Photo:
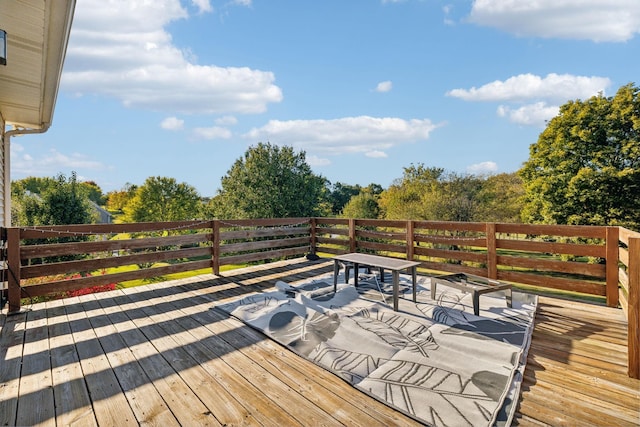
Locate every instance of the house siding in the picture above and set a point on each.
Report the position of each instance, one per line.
(3, 167)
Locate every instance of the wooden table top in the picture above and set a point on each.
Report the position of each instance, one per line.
(377, 261)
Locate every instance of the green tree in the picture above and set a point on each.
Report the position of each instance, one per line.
(93, 192)
(340, 195)
(270, 182)
(456, 198)
(362, 205)
(585, 166)
(163, 199)
(430, 193)
(118, 199)
(60, 201)
(31, 185)
(407, 197)
(500, 199)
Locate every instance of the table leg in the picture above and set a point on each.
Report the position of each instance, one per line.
(413, 277)
(476, 302)
(356, 269)
(336, 271)
(396, 288)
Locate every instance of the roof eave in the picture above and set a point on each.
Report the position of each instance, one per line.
(58, 28)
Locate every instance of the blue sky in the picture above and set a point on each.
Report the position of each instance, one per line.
(365, 87)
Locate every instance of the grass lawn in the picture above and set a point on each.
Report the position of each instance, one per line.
(174, 276)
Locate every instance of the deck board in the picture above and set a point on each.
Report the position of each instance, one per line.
(163, 355)
(69, 389)
(35, 401)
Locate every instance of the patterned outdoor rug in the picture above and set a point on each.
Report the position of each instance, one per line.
(433, 360)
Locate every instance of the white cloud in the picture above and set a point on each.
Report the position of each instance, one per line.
(446, 10)
(172, 123)
(376, 154)
(385, 86)
(483, 168)
(561, 87)
(361, 134)
(226, 121)
(49, 163)
(534, 99)
(317, 161)
(532, 114)
(120, 49)
(202, 5)
(597, 20)
(214, 132)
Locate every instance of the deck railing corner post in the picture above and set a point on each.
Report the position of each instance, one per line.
(410, 239)
(215, 246)
(633, 321)
(312, 236)
(13, 269)
(611, 265)
(353, 247)
(492, 255)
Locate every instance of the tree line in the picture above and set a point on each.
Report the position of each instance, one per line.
(584, 169)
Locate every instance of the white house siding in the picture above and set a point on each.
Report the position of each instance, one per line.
(3, 214)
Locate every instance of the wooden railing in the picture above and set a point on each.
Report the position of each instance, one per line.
(601, 262)
(558, 257)
(40, 262)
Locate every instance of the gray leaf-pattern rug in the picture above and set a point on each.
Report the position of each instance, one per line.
(433, 360)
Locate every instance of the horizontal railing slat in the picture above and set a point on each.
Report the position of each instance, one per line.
(547, 281)
(552, 247)
(588, 231)
(88, 265)
(455, 226)
(51, 231)
(451, 241)
(382, 247)
(450, 254)
(264, 244)
(596, 270)
(263, 232)
(261, 256)
(369, 234)
(60, 249)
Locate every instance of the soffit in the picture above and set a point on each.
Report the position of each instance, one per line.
(37, 37)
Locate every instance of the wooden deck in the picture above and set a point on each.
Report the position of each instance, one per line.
(158, 354)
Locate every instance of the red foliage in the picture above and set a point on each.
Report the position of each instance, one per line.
(91, 290)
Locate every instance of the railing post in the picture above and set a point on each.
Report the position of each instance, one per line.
(312, 236)
(215, 246)
(613, 236)
(492, 255)
(352, 235)
(13, 269)
(633, 319)
(409, 238)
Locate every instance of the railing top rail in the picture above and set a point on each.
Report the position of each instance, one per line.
(262, 222)
(36, 232)
(626, 234)
(593, 231)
